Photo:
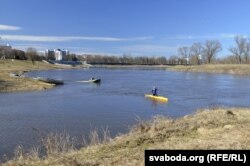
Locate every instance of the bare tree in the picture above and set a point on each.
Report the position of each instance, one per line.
(31, 54)
(184, 52)
(161, 60)
(196, 52)
(229, 59)
(247, 52)
(211, 48)
(240, 49)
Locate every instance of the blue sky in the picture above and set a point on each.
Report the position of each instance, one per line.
(117, 27)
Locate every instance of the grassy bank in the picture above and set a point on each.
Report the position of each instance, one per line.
(9, 84)
(220, 128)
(239, 69)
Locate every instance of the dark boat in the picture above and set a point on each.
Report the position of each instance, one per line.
(50, 81)
(95, 80)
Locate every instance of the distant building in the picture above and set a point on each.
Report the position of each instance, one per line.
(50, 54)
(59, 54)
(5, 49)
(5, 46)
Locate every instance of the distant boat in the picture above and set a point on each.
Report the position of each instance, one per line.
(16, 75)
(49, 80)
(92, 81)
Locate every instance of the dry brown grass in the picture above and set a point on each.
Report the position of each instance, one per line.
(220, 128)
(55, 143)
(240, 69)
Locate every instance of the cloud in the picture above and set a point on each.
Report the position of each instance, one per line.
(227, 35)
(32, 38)
(204, 37)
(143, 38)
(97, 53)
(232, 35)
(149, 49)
(9, 28)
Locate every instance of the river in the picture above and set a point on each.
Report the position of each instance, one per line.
(116, 104)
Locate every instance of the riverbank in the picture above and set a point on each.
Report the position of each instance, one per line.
(10, 84)
(237, 69)
(218, 128)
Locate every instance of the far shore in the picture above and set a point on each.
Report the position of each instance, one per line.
(236, 69)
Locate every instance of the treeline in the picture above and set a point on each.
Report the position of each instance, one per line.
(6, 52)
(197, 53)
(206, 52)
(9, 53)
(124, 60)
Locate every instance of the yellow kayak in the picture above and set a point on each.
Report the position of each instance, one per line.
(157, 98)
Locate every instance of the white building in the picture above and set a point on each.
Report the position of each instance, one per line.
(59, 54)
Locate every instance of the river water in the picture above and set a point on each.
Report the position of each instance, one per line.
(77, 108)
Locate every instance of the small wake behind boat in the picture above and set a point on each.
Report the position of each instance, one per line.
(157, 98)
(91, 81)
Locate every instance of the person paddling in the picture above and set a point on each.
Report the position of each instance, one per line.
(154, 91)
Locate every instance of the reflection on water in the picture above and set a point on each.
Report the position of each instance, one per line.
(116, 102)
